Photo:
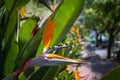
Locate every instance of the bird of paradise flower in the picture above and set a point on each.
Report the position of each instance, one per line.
(46, 59)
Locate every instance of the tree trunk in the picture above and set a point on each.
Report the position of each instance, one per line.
(110, 42)
(97, 41)
(100, 41)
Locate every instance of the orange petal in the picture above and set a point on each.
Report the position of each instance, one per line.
(51, 56)
(48, 31)
(77, 76)
(68, 68)
(72, 29)
(54, 56)
(78, 34)
(22, 12)
(74, 41)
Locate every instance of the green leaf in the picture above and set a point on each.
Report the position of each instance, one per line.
(9, 4)
(29, 49)
(15, 5)
(11, 25)
(9, 34)
(20, 3)
(40, 74)
(43, 75)
(112, 75)
(1, 3)
(10, 60)
(65, 75)
(2, 13)
(34, 43)
(25, 40)
(65, 16)
(46, 3)
(50, 74)
(25, 31)
(21, 77)
(11, 48)
(9, 77)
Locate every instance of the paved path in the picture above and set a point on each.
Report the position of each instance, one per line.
(102, 53)
(96, 66)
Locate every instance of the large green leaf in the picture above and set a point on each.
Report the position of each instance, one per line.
(29, 49)
(34, 43)
(11, 25)
(25, 38)
(65, 16)
(41, 75)
(112, 75)
(25, 31)
(50, 73)
(11, 47)
(10, 59)
(9, 33)
(15, 5)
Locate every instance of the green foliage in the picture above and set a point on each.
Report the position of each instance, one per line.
(63, 17)
(15, 5)
(65, 75)
(17, 48)
(26, 43)
(26, 30)
(104, 15)
(112, 75)
(9, 62)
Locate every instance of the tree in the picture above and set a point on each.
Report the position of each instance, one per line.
(94, 22)
(107, 12)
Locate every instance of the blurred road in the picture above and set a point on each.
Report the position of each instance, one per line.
(96, 66)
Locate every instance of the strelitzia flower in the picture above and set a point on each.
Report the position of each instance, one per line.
(46, 59)
(48, 32)
(40, 23)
